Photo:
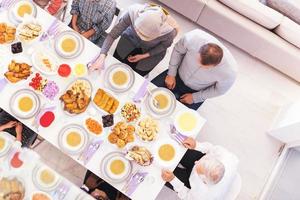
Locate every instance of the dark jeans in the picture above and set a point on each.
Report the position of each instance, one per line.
(188, 162)
(28, 136)
(179, 90)
(110, 191)
(132, 65)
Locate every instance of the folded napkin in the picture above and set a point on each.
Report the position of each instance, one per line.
(90, 151)
(61, 191)
(51, 31)
(134, 182)
(142, 91)
(176, 135)
(3, 83)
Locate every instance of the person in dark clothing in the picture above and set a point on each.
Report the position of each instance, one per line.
(99, 189)
(22, 133)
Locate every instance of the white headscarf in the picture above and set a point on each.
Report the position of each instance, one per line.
(151, 21)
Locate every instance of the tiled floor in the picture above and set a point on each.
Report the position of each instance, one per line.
(238, 120)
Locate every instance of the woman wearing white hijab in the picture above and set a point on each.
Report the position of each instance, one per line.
(146, 31)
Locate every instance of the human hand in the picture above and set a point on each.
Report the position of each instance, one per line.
(99, 194)
(85, 34)
(98, 64)
(19, 128)
(170, 82)
(137, 58)
(167, 175)
(189, 143)
(91, 182)
(75, 28)
(187, 98)
(10, 124)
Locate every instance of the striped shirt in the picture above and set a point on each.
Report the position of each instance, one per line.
(96, 14)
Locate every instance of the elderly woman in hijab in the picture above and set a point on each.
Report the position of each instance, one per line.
(146, 31)
(205, 172)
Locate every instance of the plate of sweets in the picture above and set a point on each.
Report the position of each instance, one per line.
(7, 33)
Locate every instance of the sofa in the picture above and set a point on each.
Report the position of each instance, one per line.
(253, 25)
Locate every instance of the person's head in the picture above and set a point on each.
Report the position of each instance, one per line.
(210, 55)
(99, 195)
(210, 169)
(149, 22)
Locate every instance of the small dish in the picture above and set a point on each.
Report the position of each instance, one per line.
(187, 122)
(45, 62)
(5, 144)
(39, 195)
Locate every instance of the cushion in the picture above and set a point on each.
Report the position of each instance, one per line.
(256, 11)
(289, 31)
(290, 8)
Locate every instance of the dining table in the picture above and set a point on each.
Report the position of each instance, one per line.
(151, 184)
(26, 173)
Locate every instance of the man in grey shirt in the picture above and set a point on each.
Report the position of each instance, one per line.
(200, 68)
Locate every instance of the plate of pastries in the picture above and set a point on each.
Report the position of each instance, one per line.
(12, 188)
(77, 97)
(7, 33)
(141, 155)
(18, 69)
(105, 101)
(29, 31)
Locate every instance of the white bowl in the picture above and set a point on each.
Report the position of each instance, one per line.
(15, 7)
(197, 127)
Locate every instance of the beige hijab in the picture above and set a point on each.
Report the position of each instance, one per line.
(151, 21)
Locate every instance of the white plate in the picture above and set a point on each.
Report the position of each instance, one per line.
(39, 184)
(164, 163)
(14, 101)
(40, 192)
(69, 87)
(104, 167)
(102, 134)
(18, 59)
(110, 94)
(108, 77)
(63, 135)
(197, 126)
(14, 10)
(29, 21)
(160, 113)
(37, 57)
(7, 144)
(68, 34)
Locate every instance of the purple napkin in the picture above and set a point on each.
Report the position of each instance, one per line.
(91, 150)
(3, 83)
(142, 91)
(61, 191)
(51, 30)
(134, 182)
(176, 135)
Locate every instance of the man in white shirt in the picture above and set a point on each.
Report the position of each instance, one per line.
(206, 176)
(201, 67)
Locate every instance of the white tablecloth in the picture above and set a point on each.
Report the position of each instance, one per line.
(149, 189)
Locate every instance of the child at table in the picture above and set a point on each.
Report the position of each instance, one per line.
(51, 6)
(22, 133)
(100, 189)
